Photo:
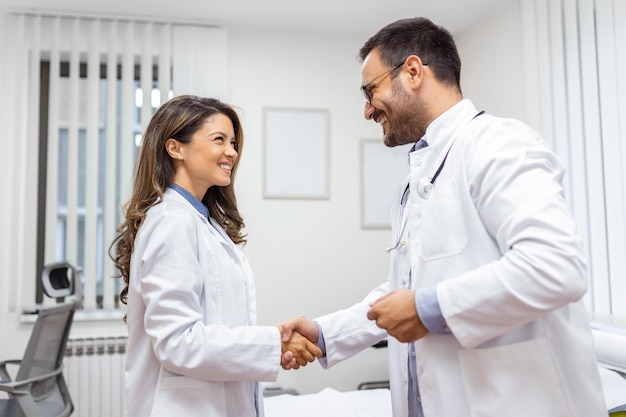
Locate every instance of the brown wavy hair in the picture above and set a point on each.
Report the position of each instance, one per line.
(178, 118)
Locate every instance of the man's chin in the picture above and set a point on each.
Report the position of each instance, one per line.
(390, 141)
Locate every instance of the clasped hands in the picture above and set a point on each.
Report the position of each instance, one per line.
(395, 312)
(299, 342)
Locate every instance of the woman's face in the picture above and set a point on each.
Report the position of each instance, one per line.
(209, 158)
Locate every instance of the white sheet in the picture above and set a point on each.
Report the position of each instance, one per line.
(377, 402)
(614, 387)
(331, 403)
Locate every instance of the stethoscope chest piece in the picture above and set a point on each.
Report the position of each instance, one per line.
(424, 187)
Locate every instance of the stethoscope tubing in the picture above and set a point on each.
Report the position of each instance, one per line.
(424, 187)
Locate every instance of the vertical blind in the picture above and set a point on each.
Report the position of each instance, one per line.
(576, 51)
(90, 126)
(93, 83)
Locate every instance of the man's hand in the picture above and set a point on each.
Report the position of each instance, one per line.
(303, 327)
(396, 313)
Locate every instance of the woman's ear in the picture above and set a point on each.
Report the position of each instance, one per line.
(173, 148)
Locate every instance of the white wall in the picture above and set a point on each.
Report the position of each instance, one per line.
(312, 257)
(309, 257)
(491, 52)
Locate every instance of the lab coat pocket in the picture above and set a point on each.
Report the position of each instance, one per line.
(179, 395)
(443, 225)
(516, 380)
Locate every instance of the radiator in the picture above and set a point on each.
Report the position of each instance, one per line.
(94, 372)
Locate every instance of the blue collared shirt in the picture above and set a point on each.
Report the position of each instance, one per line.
(426, 301)
(192, 200)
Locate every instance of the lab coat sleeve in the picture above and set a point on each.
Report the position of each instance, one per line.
(349, 331)
(171, 286)
(514, 182)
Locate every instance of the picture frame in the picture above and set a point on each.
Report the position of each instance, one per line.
(382, 172)
(296, 153)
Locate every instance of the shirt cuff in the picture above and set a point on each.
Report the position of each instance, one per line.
(428, 309)
(321, 343)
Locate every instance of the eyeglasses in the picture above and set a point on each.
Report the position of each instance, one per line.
(368, 88)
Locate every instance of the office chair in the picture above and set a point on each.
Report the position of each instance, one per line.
(39, 388)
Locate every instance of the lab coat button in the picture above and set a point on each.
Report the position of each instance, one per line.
(419, 214)
(403, 243)
(413, 353)
(419, 163)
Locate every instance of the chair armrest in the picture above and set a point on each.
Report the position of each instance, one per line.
(4, 374)
(14, 386)
(10, 388)
(39, 377)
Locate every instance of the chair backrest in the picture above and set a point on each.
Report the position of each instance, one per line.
(39, 388)
(46, 347)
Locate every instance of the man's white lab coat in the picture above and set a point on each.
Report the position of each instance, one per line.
(496, 239)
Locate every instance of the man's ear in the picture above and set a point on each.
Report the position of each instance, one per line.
(415, 67)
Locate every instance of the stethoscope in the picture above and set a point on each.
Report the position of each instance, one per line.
(424, 188)
(401, 222)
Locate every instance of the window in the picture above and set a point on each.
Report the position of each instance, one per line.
(91, 91)
(73, 170)
(77, 95)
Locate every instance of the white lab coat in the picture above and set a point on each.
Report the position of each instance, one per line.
(496, 239)
(193, 347)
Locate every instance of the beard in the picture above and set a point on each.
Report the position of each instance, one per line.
(406, 118)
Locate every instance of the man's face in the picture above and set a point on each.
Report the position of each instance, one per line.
(396, 107)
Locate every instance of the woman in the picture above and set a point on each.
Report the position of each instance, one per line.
(193, 347)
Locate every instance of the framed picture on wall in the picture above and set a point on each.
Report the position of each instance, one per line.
(382, 172)
(296, 153)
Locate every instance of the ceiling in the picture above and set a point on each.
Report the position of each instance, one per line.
(359, 17)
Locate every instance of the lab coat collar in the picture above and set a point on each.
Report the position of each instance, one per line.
(444, 126)
(192, 200)
(214, 227)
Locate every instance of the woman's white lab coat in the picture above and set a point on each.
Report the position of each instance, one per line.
(193, 347)
(497, 241)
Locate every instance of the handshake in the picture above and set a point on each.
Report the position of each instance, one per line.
(299, 342)
(395, 312)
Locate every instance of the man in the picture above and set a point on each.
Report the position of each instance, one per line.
(483, 297)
